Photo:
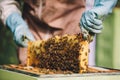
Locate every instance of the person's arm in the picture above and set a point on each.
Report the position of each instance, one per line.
(8, 7)
(10, 15)
(91, 20)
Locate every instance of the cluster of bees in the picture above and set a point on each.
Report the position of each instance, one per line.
(58, 53)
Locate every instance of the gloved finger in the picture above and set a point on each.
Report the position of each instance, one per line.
(89, 28)
(22, 36)
(27, 37)
(24, 41)
(93, 25)
(92, 29)
(92, 22)
(91, 34)
(85, 33)
(95, 20)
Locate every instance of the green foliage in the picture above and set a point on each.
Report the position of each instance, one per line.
(8, 53)
(118, 3)
(108, 42)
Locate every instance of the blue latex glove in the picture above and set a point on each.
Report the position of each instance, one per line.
(19, 29)
(91, 20)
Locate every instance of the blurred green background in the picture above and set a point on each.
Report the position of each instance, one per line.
(108, 42)
(107, 48)
(8, 53)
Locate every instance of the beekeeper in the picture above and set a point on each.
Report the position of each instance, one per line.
(42, 19)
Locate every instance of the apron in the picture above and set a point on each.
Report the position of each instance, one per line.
(47, 18)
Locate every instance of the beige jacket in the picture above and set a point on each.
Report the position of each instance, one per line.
(46, 18)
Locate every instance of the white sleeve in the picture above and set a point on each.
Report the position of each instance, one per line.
(8, 7)
(89, 4)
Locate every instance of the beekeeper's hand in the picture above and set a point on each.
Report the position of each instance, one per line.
(19, 29)
(91, 20)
